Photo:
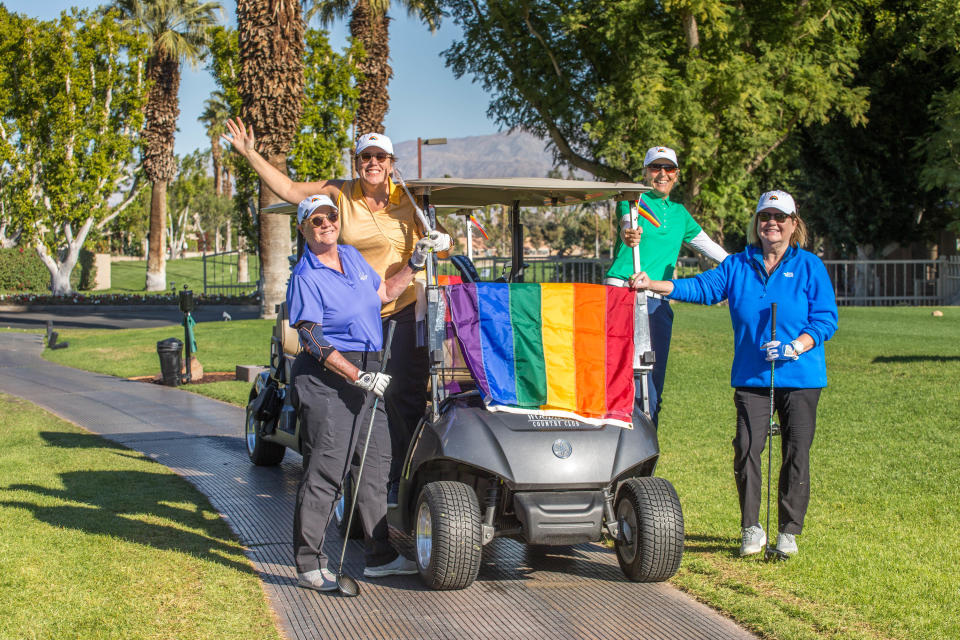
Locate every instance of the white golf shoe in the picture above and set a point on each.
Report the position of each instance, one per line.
(753, 539)
(318, 579)
(787, 543)
(400, 566)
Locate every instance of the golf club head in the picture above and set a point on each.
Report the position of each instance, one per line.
(772, 553)
(347, 585)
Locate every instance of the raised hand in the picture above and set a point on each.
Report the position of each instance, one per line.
(240, 137)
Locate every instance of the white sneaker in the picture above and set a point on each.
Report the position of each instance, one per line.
(318, 579)
(787, 543)
(753, 540)
(400, 566)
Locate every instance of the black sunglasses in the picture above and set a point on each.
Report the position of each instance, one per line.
(318, 219)
(655, 168)
(779, 217)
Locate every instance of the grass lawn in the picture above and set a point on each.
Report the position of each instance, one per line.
(101, 542)
(878, 556)
(130, 276)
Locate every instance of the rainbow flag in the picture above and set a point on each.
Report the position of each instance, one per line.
(644, 210)
(555, 349)
(479, 226)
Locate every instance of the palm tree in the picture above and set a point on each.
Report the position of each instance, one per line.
(215, 113)
(271, 36)
(369, 24)
(178, 31)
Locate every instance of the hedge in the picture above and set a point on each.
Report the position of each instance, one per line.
(21, 270)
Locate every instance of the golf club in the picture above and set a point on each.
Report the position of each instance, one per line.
(347, 585)
(771, 550)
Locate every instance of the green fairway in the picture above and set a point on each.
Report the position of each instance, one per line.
(100, 542)
(877, 556)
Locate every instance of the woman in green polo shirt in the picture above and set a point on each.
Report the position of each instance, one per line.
(659, 250)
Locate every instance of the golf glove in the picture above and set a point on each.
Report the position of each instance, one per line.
(441, 239)
(423, 248)
(373, 381)
(777, 350)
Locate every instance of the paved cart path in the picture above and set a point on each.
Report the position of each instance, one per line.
(576, 592)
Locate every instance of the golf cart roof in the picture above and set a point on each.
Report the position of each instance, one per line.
(528, 192)
(471, 193)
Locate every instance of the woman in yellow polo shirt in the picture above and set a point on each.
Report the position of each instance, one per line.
(379, 220)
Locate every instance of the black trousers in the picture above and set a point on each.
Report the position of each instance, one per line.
(406, 397)
(334, 416)
(797, 411)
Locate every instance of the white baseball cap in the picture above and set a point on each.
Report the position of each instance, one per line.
(779, 200)
(660, 153)
(374, 140)
(310, 204)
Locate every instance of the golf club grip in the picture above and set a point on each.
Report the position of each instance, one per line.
(773, 321)
(386, 345)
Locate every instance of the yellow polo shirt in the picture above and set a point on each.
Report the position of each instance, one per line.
(385, 238)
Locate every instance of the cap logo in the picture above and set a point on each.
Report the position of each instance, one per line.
(661, 149)
(772, 197)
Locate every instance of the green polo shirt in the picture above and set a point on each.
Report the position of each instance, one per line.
(659, 246)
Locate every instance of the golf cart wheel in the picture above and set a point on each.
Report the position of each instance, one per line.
(447, 535)
(651, 529)
(341, 512)
(261, 452)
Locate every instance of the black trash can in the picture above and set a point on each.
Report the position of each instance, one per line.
(171, 359)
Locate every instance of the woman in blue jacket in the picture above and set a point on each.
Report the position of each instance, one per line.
(772, 269)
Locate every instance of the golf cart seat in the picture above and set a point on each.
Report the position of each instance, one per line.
(285, 342)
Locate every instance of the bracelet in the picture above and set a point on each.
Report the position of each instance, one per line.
(414, 267)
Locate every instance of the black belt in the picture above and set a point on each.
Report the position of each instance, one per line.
(361, 358)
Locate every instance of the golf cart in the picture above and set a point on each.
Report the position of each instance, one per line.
(475, 471)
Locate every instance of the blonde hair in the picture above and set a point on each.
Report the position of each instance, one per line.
(798, 239)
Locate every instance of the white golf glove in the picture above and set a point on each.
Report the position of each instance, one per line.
(373, 381)
(441, 240)
(423, 248)
(776, 350)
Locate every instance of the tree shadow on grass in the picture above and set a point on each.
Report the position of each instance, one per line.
(711, 544)
(119, 503)
(67, 440)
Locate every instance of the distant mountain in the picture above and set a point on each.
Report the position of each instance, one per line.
(501, 155)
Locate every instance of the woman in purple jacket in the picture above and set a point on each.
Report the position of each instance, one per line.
(772, 269)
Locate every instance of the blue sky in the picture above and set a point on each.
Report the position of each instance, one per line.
(425, 98)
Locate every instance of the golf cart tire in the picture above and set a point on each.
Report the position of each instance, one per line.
(447, 530)
(261, 452)
(341, 515)
(649, 514)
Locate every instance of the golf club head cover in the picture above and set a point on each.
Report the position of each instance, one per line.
(373, 381)
(777, 350)
(313, 342)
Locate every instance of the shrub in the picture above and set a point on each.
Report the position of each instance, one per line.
(22, 270)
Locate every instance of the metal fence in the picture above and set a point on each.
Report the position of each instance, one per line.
(895, 282)
(855, 282)
(224, 273)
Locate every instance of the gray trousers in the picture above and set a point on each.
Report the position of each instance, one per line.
(797, 409)
(334, 416)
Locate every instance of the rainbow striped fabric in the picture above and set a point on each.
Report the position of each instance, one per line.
(554, 349)
(644, 210)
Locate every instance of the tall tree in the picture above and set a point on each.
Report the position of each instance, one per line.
(179, 31)
(370, 26)
(270, 83)
(864, 181)
(215, 112)
(725, 82)
(71, 113)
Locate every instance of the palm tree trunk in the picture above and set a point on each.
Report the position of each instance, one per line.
(271, 36)
(156, 256)
(159, 164)
(374, 101)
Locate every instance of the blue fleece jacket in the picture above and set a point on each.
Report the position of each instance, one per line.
(805, 304)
